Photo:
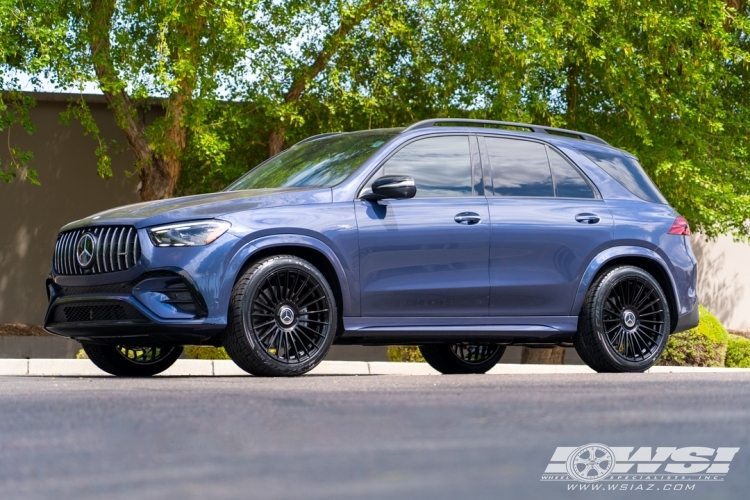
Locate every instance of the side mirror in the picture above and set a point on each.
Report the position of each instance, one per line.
(396, 187)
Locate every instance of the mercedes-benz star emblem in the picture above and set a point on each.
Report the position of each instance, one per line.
(286, 315)
(628, 317)
(85, 250)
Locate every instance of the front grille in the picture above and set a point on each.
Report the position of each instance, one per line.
(116, 249)
(97, 311)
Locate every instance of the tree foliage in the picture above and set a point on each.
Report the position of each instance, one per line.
(665, 80)
(191, 54)
(28, 45)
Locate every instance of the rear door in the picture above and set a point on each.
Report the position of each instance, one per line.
(428, 256)
(547, 223)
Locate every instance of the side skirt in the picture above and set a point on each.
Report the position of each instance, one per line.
(500, 329)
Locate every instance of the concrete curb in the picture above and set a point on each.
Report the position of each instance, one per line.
(226, 368)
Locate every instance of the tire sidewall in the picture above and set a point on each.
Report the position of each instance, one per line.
(109, 359)
(248, 293)
(606, 286)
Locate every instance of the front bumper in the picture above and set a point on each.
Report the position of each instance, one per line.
(172, 295)
(158, 307)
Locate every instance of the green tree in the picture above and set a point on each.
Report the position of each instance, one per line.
(362, 86)
(667, 81)
(189, 53)
(29, 46)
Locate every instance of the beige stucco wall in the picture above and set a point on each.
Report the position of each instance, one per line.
(30, 216)
(724, 279)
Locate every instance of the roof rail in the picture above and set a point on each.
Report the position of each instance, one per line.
(539, 129)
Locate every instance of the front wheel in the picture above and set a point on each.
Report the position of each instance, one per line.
(462, 358)
(283, 318)
(130, 361)
(624, 323)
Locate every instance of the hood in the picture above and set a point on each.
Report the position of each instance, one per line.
(202, 206)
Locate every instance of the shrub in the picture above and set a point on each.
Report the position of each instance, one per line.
(205, 352)
(405, 353)
(704, 345)
(738, 352)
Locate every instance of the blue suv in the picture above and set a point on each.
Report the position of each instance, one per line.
(460, 236)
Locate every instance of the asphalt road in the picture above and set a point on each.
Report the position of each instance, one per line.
(432, 437)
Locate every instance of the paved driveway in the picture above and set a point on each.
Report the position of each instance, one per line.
(452, 437)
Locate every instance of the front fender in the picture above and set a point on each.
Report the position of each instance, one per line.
(608, 255)
(278, 240)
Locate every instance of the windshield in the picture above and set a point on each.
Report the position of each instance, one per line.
(318, 163)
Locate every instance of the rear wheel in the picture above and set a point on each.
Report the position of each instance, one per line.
(462, 358)
(624, 323)
(283, 318)
(131, 361)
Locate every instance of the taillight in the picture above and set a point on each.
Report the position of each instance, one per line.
(680, 226)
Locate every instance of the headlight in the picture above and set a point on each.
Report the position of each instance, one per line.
(188, 234)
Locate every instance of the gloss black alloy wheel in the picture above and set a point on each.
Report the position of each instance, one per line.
(144, 355)
(283, 318)
(475, 354)
(132, 361)
(624, 323)
(633, 317)
(462, 358)
(290, 315)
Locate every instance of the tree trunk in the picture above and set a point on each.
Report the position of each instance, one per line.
(157, 174)
(276, 142)
(735, 4)
(538, 356)
(158, 167)
(156, 182)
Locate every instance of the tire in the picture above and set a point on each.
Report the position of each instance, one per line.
(129, 361)
(624, 323)
(282, 318)
(450, 359)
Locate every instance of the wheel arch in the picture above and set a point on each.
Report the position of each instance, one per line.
(642, 258)
(310, 249)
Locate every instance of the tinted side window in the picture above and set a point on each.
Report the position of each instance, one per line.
(568, 181)
(440, 166)
(519, 168)
(628, 172)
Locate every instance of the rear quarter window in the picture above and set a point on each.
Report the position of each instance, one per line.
(627, 171)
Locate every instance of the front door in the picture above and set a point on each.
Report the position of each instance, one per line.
(547, 225)
(427, 256)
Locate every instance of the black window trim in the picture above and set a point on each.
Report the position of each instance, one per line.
(472, 160)
(484, 154)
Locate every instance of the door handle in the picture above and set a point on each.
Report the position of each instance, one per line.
(587, 218)
(467, 218)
